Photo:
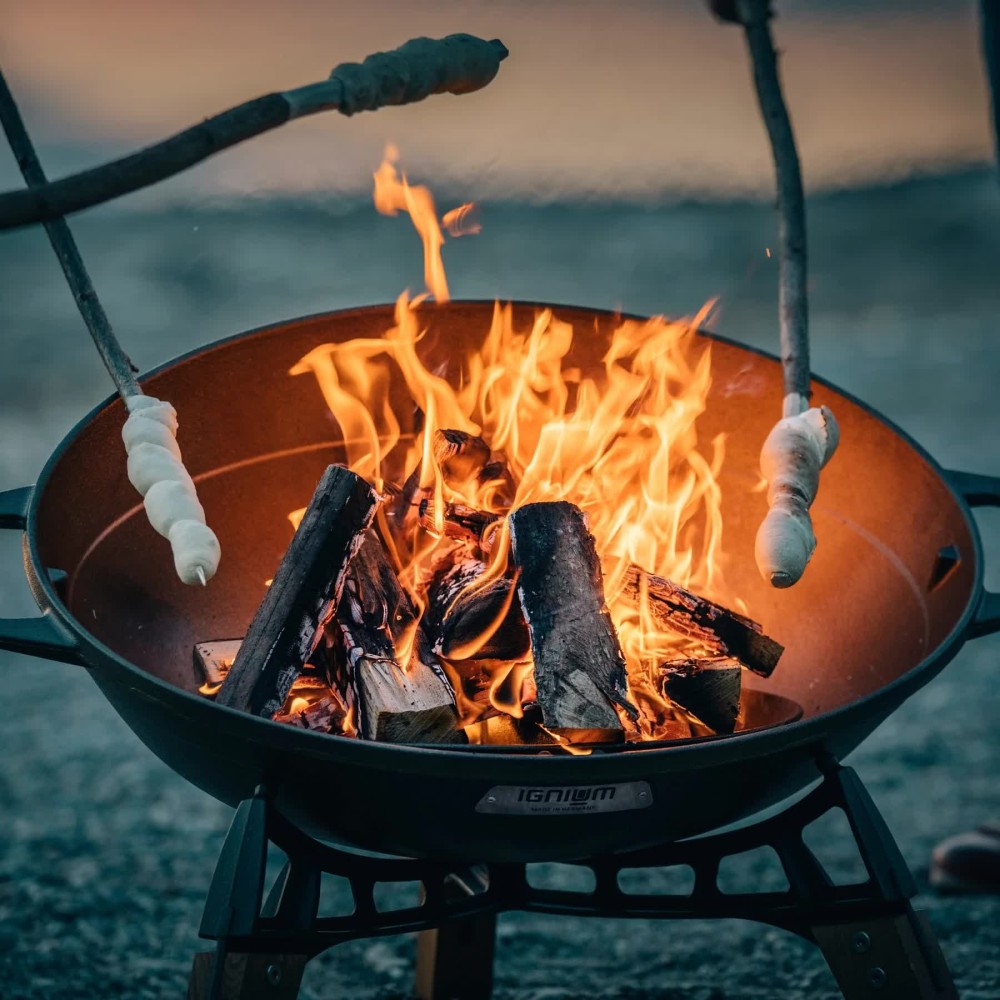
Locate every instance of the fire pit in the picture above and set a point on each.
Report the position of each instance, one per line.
(893, 592)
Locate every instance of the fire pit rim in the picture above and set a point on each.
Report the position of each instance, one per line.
(756, 742)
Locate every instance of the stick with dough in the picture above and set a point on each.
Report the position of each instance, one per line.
(804, 440)
(156, 470)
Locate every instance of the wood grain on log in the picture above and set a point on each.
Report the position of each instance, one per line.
(375, 615)
(307, 585)
(721, 631)
(461, 522)
(579, 665)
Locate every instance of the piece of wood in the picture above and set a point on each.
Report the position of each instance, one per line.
(793, 311)
(466, 620)
(306, 587)
(325, 715)
(421, 67)
(461, 522)
(707, 688)
(374, 617)
(579, 666)
(213, 659)
(721, 631)
(460, 456)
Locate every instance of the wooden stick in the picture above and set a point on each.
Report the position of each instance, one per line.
(991, 51)
(307, 584)
(457, 64)
(117, 362)
(793, 305)
(155, 466)
(803, 441)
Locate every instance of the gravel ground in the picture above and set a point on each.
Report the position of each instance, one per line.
(106, 855)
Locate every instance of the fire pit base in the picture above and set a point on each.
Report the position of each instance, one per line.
(874, 941)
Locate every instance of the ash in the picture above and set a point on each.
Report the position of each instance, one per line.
(106, 855)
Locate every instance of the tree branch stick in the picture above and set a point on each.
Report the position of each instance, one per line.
(990, 19)
(117, 362)
(792, 262)
(456, 64)
(803, 441)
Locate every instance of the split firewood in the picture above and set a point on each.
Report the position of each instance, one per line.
(325, 715)
(213, 660)
(503, 730)
(460, 456)
(719, 630)
(460, 522)
(465, 620)
(306, 587)
(376, 624)
(579, 666)
(707, 688)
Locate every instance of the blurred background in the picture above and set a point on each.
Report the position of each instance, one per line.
(620, 160)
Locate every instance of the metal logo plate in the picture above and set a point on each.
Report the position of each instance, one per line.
(556, 800)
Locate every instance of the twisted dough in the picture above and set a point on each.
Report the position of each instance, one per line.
(794, 452)
(155, 469)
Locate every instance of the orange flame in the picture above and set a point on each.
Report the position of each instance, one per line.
(394, 194)
(620, 441)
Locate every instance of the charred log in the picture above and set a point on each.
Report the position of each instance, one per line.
(468, 620)
(376, 624)
(307, 585)
(721, 631)
(709, 689)
(214, 659)
(460, 456)
(460, 522)
(579, 665)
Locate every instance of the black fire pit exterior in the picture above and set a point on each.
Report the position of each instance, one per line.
(894, 591)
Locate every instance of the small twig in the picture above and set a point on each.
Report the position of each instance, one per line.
(117, 362)
(457, 64)
(792, 262)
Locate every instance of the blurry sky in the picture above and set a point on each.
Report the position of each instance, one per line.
(633, 98)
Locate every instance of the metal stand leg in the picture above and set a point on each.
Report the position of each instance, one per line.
(877, 946)
(232, 911)
(455, 961)
(886, 957)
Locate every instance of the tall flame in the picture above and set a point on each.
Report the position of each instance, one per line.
(619, 441)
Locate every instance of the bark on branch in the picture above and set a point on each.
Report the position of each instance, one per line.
(456, 64)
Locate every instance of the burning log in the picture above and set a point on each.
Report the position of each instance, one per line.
(707, 688)
(579, 665)
(721, 631)
(462, 523)
(468, 621)
(376, 624)
(460, 456)
(327, 715)
(213, 660)
(307, 584)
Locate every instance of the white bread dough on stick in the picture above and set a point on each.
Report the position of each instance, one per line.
(796, 449)
(156, 470)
